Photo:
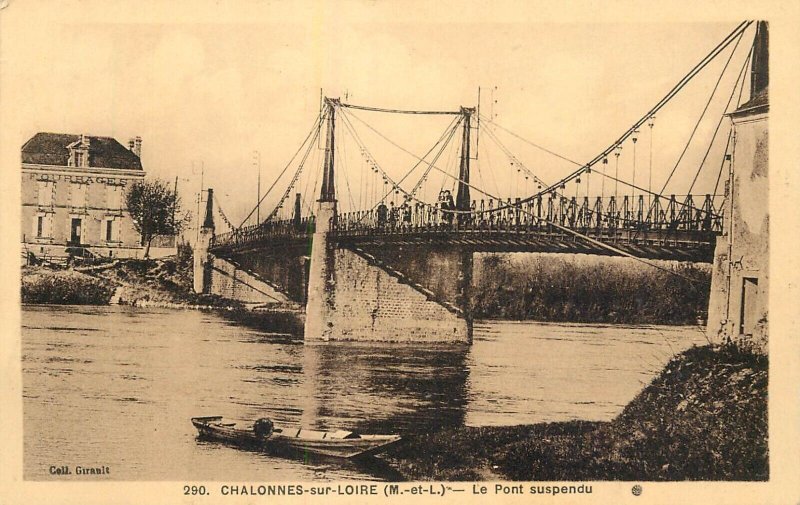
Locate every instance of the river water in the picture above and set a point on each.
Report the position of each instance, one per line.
(116, 386)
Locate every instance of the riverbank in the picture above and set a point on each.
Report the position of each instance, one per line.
(144, 283)
(162, 283)
(64, 287)
(703, 418)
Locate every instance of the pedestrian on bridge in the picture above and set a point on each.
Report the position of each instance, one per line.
(406, 213)
(382, 214)
(393, 215)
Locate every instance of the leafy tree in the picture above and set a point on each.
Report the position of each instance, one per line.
(156, 210)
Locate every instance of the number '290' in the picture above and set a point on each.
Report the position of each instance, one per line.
(194, 490)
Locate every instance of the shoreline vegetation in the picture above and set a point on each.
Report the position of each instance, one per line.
(161, 283)
(586, 289)
(143, 283)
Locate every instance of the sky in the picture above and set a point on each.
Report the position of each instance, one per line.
(208, 90)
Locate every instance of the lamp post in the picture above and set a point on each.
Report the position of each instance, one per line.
(199, 196)
(175, 203)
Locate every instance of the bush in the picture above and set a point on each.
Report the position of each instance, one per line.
(602, 290)
(65, 288)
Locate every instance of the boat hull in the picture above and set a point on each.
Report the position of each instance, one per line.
(334, 444)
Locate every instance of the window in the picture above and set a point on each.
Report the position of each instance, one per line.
(109, 230)
(45, 190)
(113, 197)
(42, 225)
(78, 158)
(78, 196)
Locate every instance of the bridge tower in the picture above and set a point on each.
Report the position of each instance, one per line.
(462, 196)
(321, 282)
(202, 271)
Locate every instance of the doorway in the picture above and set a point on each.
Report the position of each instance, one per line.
(75, 231)
(749, 314)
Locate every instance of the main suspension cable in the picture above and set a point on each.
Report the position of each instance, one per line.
(719, 123)
(314, 128)
(659, 105)
(703, 113)
(294, 178)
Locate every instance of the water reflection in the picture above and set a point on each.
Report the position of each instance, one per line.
(369, 387)
(386, 389)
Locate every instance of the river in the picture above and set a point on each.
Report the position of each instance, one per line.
(116, 386)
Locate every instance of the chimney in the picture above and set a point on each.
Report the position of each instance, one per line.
(130, 145)
(137, 146)
(759, 74)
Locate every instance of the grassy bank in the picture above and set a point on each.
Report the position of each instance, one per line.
(162, 282)
(703, 418)
(589, 289)
(67, 287)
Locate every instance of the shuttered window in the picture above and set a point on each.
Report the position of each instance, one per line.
(113, 197)
(45, 191)
(43, 225)
(78, 195)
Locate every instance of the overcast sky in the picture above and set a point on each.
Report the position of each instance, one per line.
(216, 87)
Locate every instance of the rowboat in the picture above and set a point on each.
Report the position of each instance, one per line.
(263, 434)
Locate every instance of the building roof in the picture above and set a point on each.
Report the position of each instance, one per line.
(104, 152)
(756, 104)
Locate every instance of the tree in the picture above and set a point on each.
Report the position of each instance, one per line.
(155, 210)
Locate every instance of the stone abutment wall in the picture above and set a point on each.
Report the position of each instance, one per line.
(230, 280)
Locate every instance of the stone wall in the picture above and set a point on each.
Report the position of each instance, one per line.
(229, 280)
(286, 270)
(438, 269)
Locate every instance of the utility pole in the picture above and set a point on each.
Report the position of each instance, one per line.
(199, 196)
(257, 163)
(174, 203)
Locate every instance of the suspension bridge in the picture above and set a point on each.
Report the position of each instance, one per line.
(376, 238)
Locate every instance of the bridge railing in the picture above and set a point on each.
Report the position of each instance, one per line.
(581, 214)
(265, 231)
(598, 217)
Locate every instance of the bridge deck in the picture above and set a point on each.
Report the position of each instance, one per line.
(665, 244)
